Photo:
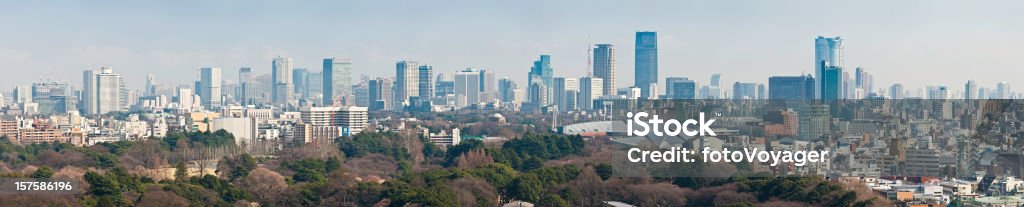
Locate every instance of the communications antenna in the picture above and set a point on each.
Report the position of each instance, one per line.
(590, 67)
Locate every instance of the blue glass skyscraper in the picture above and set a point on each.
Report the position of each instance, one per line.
(542, 69)
(646, 62)
(828, 51)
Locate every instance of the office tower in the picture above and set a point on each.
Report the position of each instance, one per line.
(246, 86)
(361, 92)
(22, 94)
(444, 84)
(185, 100)
(938, 92)
(791, 87)
(300, 80)
(646, 63)
(864, 81)
(150, 85)
(828, 51)
(541, 70)
(760, 91)
(1003, 91)
(210, 91)
(591, 88)
(488, 91)
(713, 90)
(744, 90)
(426, 81)
(506, 90)
(43, 90)
(108, 91)
(467, 86)
(538, 92)
(315, 86)
(406, 81)
(668, 85)
(88, 97)
(281, 81)
(337, 81)
(984, 93)
(604, 66)
(680, 88)
(832, 83)
(971, 90)
(380, 94)
(562, 85)
(896, 91)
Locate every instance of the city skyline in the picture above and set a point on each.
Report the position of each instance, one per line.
(977, 44)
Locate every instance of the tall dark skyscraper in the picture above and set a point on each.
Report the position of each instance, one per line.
(791, 87)
(604, 66)
(832, 83)
(646, 63)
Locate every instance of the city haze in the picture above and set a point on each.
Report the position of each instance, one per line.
(916, 43)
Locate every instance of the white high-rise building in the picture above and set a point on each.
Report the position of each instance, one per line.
(101, 91)
(467, 85)
(211, 89)
(281, 79)
(185, 100)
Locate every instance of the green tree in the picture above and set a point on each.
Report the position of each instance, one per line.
(42, 172)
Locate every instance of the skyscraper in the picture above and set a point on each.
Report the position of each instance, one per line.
(406, 82)
(246, 85)
(864, 82)
(646, 63)
(488, 91)
(604, 66)
(832, 83)
(542, 69)
(591, 88)
(1003, 91)
(281, 81)
(744, 90)
(467, 87)
(88, 99)
(791, 87)
(506, 90)
(970, 90)
(380, 94)
(680, 88)
(210, 92)
(896, 91)
(150, 85)
(562, 85)
(108, 91)
(828, 51)
(426, 82)
(300, 79)
(337, 81)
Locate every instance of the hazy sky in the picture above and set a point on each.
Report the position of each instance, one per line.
(916, 43)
